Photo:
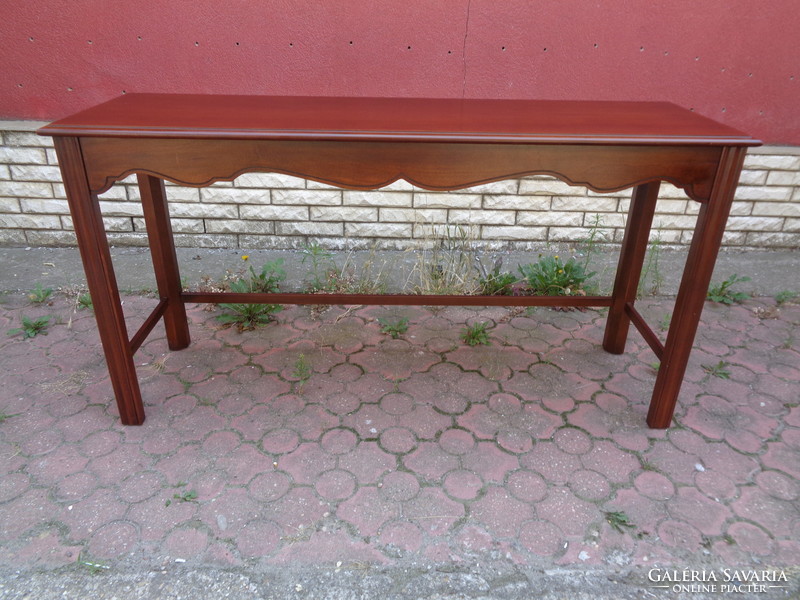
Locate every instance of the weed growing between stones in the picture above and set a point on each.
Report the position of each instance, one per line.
(550, 276)
(40, 295)
(302, 369)
(394, 327)
(651, 270)
(718, 370)
(269, 278)
(448, 261)
(79, 298)
(354, 279)
(723, 293)
(619, 521)
(320, 262)
(476, 334)
(591, 243)
(448, 267)
(786, 296)
(31, 327)
(184, 496)
(496, 282)
(85, 302)
(4, 416)
(249, 316)
(187, 496)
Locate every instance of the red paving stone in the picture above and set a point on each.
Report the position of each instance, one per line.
(418, 447)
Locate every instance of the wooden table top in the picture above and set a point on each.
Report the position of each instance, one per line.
(397, 119)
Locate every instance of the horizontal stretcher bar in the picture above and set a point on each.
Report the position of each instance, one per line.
(394, 299)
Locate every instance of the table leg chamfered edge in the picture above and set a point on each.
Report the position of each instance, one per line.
(629, 268)
(165, 260)
(693, 288)
(101, 280)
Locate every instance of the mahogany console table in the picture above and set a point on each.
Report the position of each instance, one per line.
(362, 143)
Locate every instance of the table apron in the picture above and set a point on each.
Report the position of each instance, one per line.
(366, 165)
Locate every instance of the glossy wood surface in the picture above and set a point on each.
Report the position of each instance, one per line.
(369, 143)
(102, 282)
(391, 119)
(629, 269)
(165, 260)
(369, 165)
(695, 280)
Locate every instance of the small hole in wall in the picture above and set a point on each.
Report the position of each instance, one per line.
(697, 58)
(197, 43)
(641, 48)
(138, 37)
(124, 92)
(69, 89)
(596, 45)
(449, 51)
(408, 48)
(544, 49)
(19, 85)
(351, 42)
(90, 42)
(30, 39)
(237, 43)
(724, 109)
(291, 45)
(503, 48)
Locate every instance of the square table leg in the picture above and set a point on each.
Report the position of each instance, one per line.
(693, 289)
(165, 261)
(629, 269)
(96, 256)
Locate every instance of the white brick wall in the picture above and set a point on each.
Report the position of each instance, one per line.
(272, 210)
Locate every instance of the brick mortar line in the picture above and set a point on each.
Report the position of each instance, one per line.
(777, 216)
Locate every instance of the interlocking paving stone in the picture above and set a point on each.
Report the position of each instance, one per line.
(45, 550)
(368, 510)
(462, 484)
(269, 486)
(589, 485)
(398, 440)
(258, 538)
(113, 540)
(185, 543)
(397, 485)
(415, 449)
(403, 535)
(541, 538)
(572, 515)
(490, 462)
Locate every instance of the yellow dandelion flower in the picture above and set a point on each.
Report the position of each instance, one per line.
(245, 256)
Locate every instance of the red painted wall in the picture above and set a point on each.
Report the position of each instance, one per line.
(737, 61)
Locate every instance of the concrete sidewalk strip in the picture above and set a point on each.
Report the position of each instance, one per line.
(318, 457)
(769, 271)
